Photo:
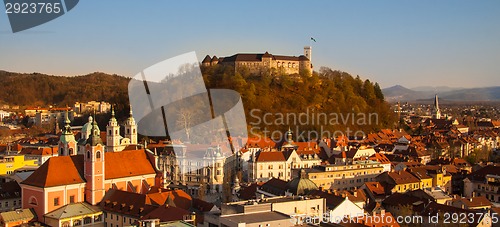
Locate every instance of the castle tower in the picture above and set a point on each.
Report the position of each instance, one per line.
(94, 167)
(308, 52)
(437, 111)
(131, 128)
(112, 133)
(67, 142)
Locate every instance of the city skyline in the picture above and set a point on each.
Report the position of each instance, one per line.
(412, 43)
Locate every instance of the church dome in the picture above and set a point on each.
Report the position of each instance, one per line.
(301, 185)
(87, 127)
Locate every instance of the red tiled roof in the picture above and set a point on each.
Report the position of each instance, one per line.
(202, 205)
(271, 156)
(61, 170)
(376, 188)
(474, 202)
(179, 197)
(166, 214)
(39, 151)
(307, 148)
(126, 203)
(248, 193)
(117, 165)
(403, 177)
(127, 163)
(260, 142)
(380, 158)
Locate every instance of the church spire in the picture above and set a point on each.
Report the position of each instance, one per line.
(95, 137)
(112, 120)
(437, 111)
(67, 122)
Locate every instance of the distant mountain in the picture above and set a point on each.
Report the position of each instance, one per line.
(436, 89)
(474, 94)
(400, 93)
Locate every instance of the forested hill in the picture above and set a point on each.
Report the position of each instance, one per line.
(37, 89)
(326, 91)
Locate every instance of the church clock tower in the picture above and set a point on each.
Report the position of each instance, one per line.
(112, 133)
(67, 142)
(131, 128)
(94, 167)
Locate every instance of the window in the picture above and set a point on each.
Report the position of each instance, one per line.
(72, 199)
(88, 154)
(15, 203)
(32, 201)
(98, 155)
(56, 201)
(87, 220)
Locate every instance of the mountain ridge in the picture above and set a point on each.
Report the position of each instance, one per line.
(401, 93)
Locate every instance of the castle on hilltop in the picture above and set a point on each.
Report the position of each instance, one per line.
(256, 62)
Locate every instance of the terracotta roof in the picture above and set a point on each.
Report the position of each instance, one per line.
(475, 202)
(271, 156)
(127, 203)
(380, 158)
(39, 151)
(202, 205)
(376, 188)
(419, 172)
(127, 163)
(117, 165)
(398, 199)
(248, 193)
(166, 214)
(275, 186)
(56, 171)
(307, 148)
(403, 177)
(480, 175)
(179, 197)
(260, 142)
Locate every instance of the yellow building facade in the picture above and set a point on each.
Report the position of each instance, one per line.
(10, 163)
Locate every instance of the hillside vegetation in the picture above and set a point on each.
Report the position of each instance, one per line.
(327, 92)
(331, 92)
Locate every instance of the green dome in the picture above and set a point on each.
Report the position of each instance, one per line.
(301, 185)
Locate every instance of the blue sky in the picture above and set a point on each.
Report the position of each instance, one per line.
(412, 43)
